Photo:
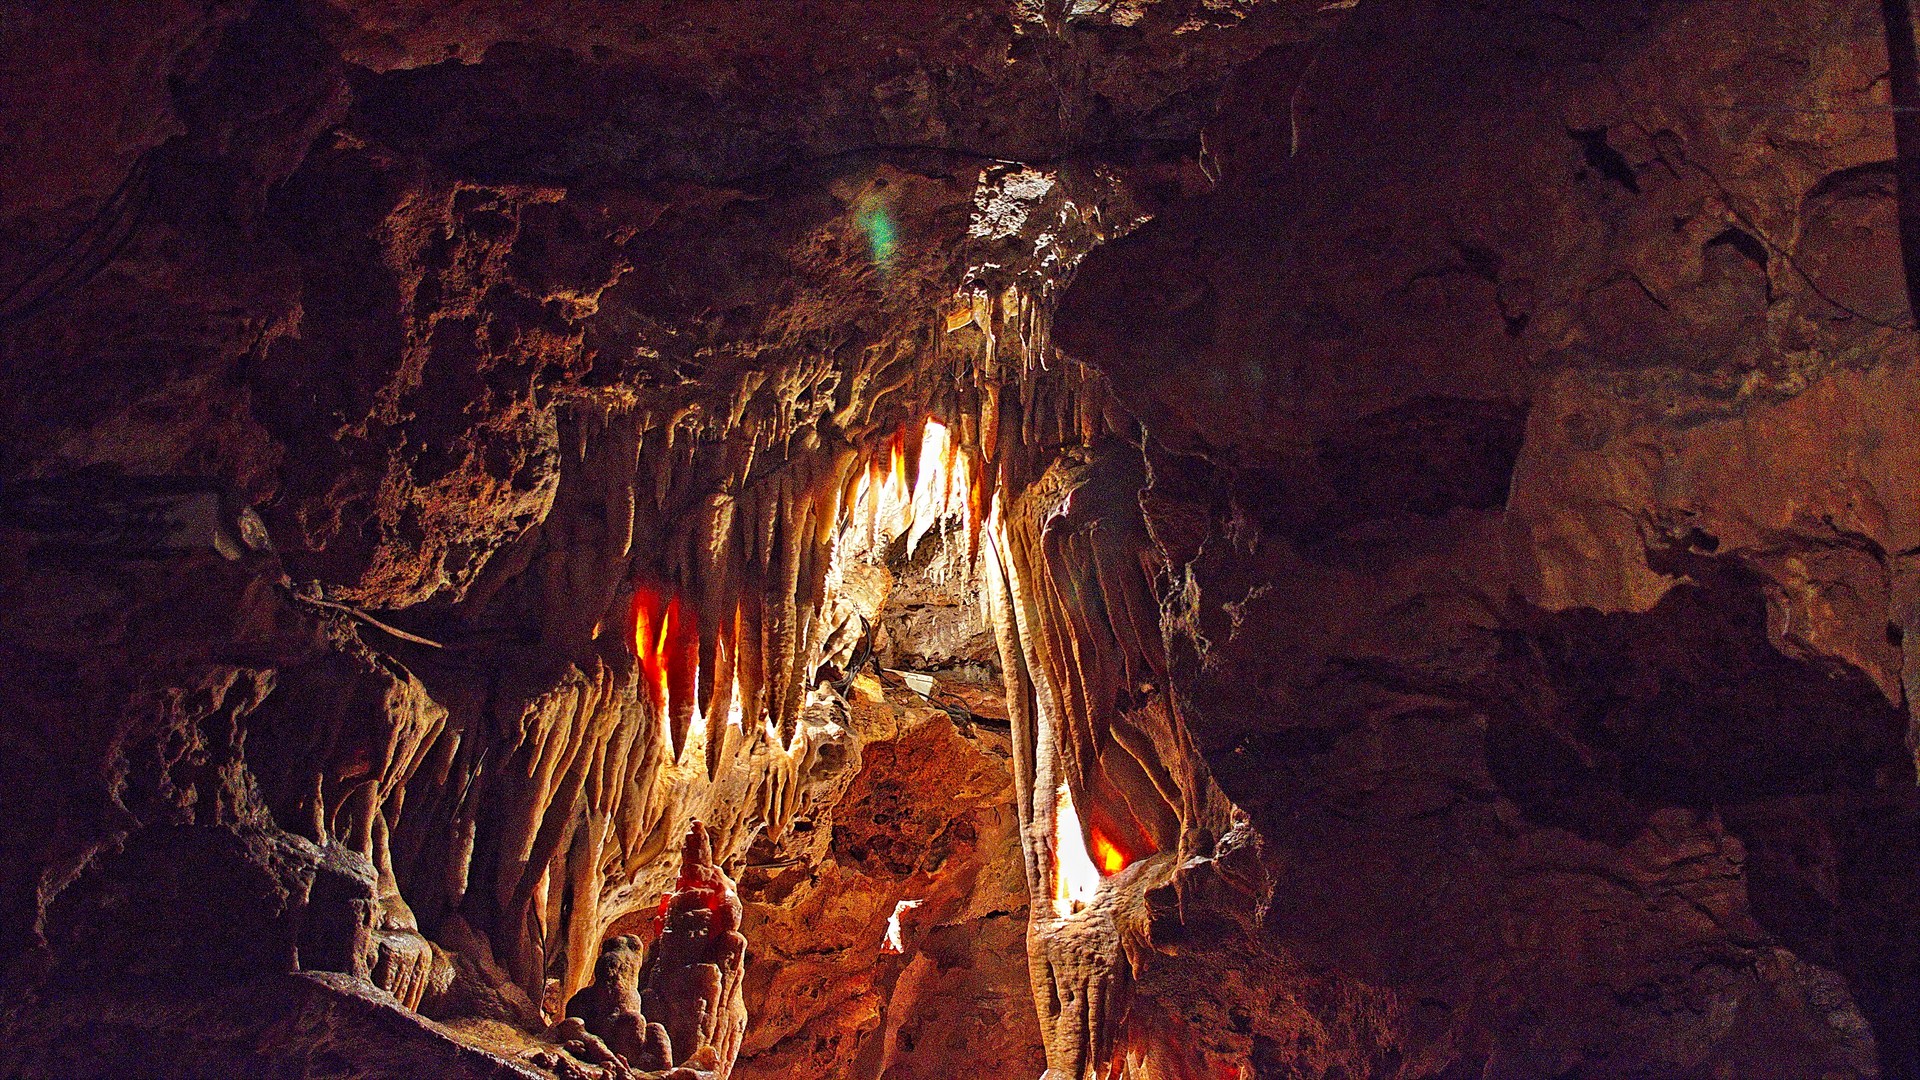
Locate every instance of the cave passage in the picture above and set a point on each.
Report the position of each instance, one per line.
(908, 632)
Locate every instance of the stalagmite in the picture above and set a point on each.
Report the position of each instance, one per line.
(693, 977)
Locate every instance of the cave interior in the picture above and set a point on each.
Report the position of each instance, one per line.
(987, 539)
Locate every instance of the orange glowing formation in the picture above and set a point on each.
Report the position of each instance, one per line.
(1106, 854)
(665, 642)
(897, 458)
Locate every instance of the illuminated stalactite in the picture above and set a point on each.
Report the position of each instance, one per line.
(666, 647)
(726, 562)
(493, 319)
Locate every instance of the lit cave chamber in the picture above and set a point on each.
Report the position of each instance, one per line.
(977, 539)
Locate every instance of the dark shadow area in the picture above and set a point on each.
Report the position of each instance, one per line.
(1607, 717)
(1380, 472)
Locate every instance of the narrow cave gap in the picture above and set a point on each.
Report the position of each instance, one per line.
(909, 596)
(1903, 80)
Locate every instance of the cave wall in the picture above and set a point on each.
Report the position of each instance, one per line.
(927, 821)
(1528, 406)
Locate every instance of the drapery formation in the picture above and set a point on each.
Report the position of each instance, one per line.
(679, 594)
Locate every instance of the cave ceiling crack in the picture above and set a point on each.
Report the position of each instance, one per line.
(1667, 142)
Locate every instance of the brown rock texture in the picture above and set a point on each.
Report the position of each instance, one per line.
(926, 822)
(1545, 618)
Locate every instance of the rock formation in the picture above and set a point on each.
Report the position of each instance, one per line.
(672, 538)
(609, 1007)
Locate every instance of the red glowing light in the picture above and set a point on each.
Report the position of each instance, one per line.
(653, 616)
(1106, 854)
(665, 643)
(897, 453)
(700, 888)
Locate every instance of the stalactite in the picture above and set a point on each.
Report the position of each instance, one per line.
(752, 663)
(717, 593)
(911, 438)
(1019, 689)
(812, 560)
(683, 662)
(793, 535)
(719, 721)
